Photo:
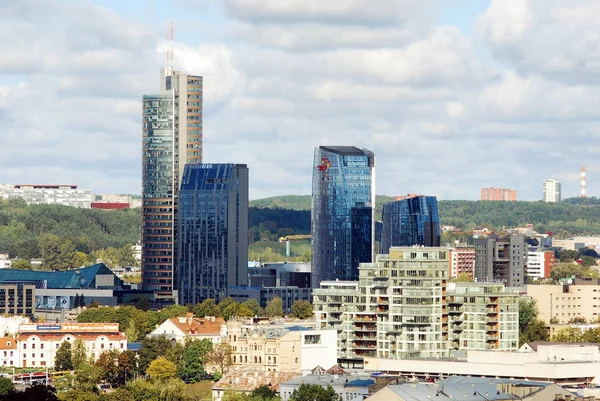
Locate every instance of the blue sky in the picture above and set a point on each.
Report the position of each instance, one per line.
(451, 95)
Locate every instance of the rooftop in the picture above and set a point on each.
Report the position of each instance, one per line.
(249, 379)
(65, 279)
(196, 325)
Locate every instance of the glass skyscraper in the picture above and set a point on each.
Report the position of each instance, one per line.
(413, 220)
(212, 231)
(343, 198)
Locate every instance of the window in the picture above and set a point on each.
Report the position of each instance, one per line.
(312, 339)
(25, 346)
(41, 346)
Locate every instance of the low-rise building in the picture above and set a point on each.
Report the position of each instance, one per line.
(193, 328)
(247, 380)
(48, 194)
(8, 351)
(37, 343)
(276, 348)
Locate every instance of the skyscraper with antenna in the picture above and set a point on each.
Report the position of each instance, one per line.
(172, 138)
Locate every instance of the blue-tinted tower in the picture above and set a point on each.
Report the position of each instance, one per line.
(411, 221)
(212, 235)
(343, 198)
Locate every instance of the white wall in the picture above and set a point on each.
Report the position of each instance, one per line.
(323, 354)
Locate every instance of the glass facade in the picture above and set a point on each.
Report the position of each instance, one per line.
(212, 231)
(158, 188)
(411, 221)
(342, 218)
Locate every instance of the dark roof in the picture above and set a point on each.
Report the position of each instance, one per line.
(360, 383)
(344, 150)
(299, 328)
(68, 279)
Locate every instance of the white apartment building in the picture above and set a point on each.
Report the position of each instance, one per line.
(37, 344)
(539, 264)
(403, 307)
(36, 194)
(552, 190)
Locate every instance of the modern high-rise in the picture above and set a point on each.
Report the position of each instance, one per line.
(343, 200)
(410, 220)
(552, 191)
(498, 194)
(501, 260)
(172, 137)
(212, 231)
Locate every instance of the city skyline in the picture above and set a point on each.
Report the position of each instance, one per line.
(457, 78)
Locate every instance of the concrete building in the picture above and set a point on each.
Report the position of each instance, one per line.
(37, 344)
(281, 349)
(561, 303)
(473, 389)
(348, 387)
(501, 260)
(540, 263)
(461, 261)
(498, 194)
(343, 200)
(551, 191)
(189, 327)
(288, 295)
(17, 298)
(172, 138)
(403, 307)
(275, 274)
(212, 239)
(5, 261)
(48, 194)
(570, 364)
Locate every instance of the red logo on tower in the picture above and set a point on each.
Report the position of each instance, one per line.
(325, 164)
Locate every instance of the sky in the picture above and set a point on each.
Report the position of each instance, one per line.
(451, 95)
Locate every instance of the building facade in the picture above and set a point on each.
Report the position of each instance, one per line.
(343, 200)
(402, 307)
(263, 294)
(49, 194)
(552, 191)
(501, 260)
(462, 261)
(410, 220)
(498, 194)
(212, 231)
(540, 263)
(17, 298)
(182, 328)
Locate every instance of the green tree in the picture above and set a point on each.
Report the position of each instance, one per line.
(274, 307)
(254, 306)
(220, 356)
(567, 335)
(301, 309)
(588, 261)
(536, 331)
(161, 369)
(37, 392)
(152, 348)
(463, 278)
(568, 255)
(208, 307)
(314, 392)
(80, 259)
(228, 308)
(6, 386)
(108, 362)
(244, 311)
(21, 264)
(530, 327)
(264, 392)
(191, 367)
(62, 359)
(174, 311)
(78, 354)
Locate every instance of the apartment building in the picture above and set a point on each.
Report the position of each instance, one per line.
(501, 259)
(561, 303)
(540, 263)
(48, 194)
(37, 344)
(498, 194)
(402, 307)
(461, 261)
(281, 349)
(17, 298)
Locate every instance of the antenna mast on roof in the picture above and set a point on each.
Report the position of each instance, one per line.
(170, 43)
(582, 194)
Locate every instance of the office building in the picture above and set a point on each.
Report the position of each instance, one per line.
(410, 220)
(498, 194)
(343, 200)
(17, 298)
(212, 231)
(540, 263)
(172, 138)
(403, 307)
(462, 261)
(501, 260)
(552, 191)
(48, 194)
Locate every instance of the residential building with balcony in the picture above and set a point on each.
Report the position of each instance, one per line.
(501, 259)
(498, 194)
(461, 261)
(540, 263)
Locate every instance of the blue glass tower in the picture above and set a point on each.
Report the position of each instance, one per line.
(410, 221)
(343, 198)
(212, 235)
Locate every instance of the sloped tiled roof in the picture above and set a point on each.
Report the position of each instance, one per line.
(8, 343)
(197, 326)
(249, 379)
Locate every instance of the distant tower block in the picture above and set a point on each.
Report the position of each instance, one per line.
(583, 182)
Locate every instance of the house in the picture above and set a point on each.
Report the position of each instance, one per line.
(193, 328)
(8, 351)
(246, 380)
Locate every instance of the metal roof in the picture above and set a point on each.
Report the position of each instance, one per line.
(67, 279)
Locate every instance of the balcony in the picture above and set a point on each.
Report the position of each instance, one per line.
(492, 337)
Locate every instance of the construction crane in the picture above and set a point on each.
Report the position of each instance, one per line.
(294, 237)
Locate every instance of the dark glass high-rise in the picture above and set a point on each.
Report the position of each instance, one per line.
(413, 220)
(212, 234)
(343, 198)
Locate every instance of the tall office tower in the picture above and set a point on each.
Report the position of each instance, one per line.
(552, 191)
(343, 200)
(410, 220)
(501, 260)
(498, 194)
(212, 234)
(172, 137)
